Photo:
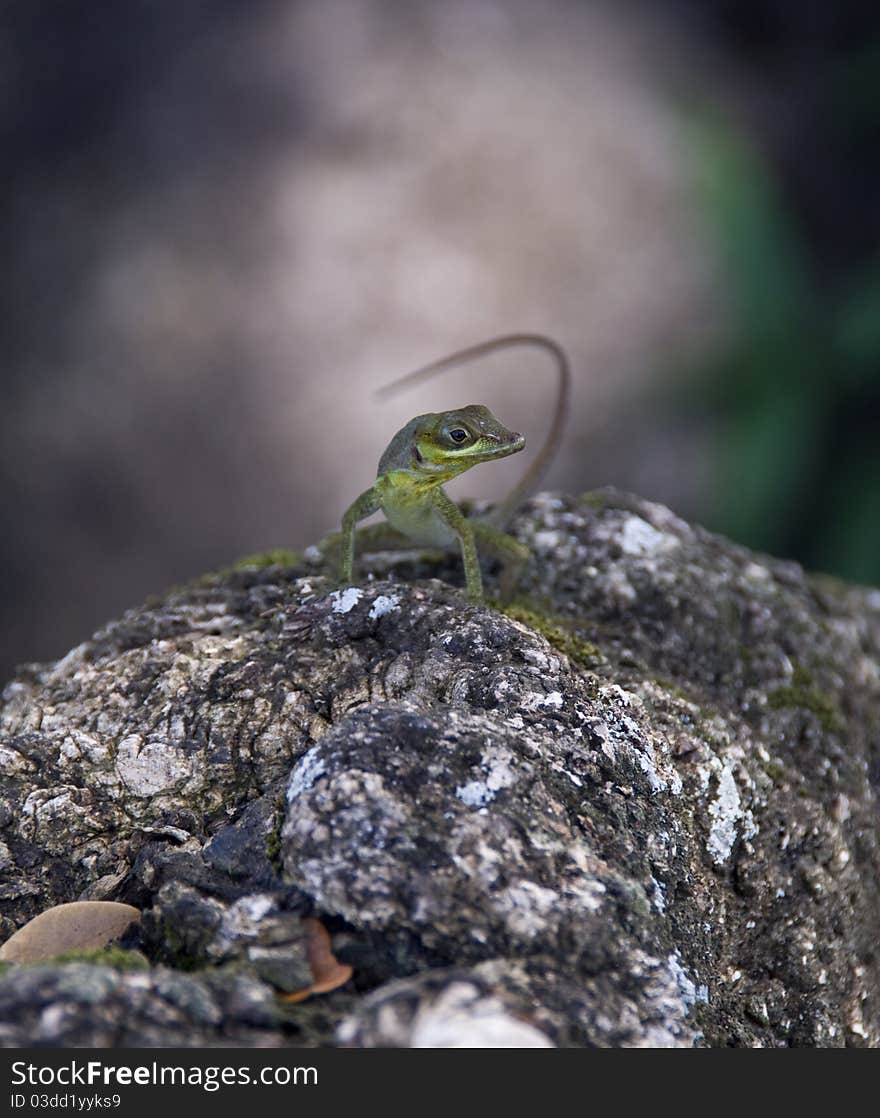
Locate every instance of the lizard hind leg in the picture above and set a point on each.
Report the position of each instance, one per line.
(512, 554)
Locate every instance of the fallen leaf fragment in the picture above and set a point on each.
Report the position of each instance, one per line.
(78, 926)
(328, 973)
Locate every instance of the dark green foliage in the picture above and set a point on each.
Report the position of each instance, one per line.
(793, 393)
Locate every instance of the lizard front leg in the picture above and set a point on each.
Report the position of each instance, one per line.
(463, 528)
(364, 506)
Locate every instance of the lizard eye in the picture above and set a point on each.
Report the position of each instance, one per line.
(458, 434)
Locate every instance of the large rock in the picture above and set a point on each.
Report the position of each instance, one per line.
(637, 808)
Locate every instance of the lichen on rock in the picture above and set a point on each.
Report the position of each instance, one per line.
(639, 809)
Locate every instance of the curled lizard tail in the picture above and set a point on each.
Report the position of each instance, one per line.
(506, 508)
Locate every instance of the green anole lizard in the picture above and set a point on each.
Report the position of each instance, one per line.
(430, 450)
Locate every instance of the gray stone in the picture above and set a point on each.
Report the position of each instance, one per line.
(637, 808)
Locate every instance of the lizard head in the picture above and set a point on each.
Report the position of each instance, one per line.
(447, 443)
(440, 445)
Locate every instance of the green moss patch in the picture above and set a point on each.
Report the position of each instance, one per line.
(115, 957)
(276, 557)
(556, 631)
(803, 692)
(273, 839)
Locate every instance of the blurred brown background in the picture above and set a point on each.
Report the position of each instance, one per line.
(226, 222)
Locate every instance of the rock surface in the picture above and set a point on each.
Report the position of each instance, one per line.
(638, 808)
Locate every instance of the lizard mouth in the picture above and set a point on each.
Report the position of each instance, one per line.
(500, 449)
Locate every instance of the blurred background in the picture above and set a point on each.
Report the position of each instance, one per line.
(227, 221)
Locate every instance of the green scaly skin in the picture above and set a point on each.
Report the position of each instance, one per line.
(434, 448)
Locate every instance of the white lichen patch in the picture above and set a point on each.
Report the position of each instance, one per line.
(646, 762)
(724, 811)
(475, 793)
(691, 993)
(649, 764)
(210, 616)
(344, 601)
(460, 1015)
(475, 854)
(618, 587)
(498, 765)
(546, 542)
(150, 767)
(242, 920)
(673, 995)
(588, 893)
(526, 907)
(461, 1018)
(727, 813)
(535, 700)
(81, 746)
(11, 761)
(42, 808)
(615, 693)
(539, 658)
(622, 734)
(383, 604)
(305, 772)
(638, 537)
(556, 537)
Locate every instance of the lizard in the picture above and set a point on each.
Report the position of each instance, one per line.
(432, 449)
